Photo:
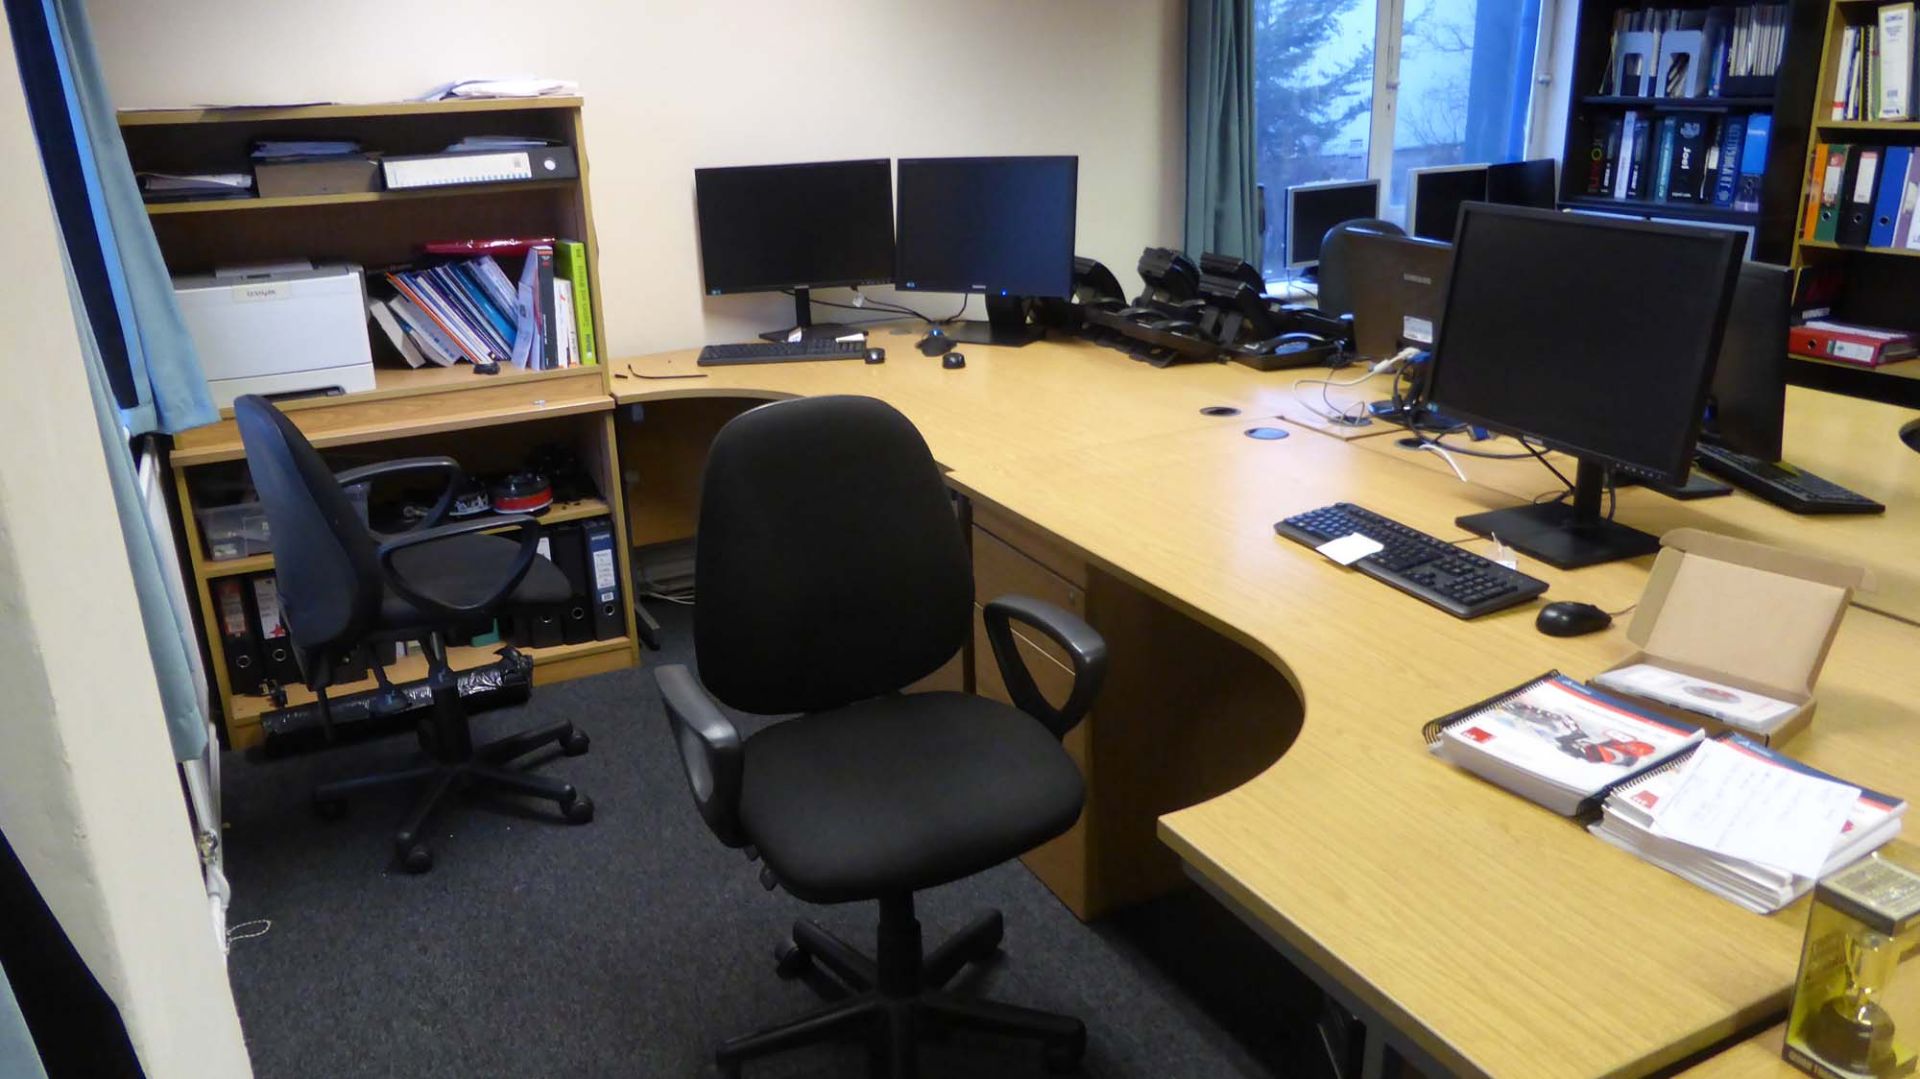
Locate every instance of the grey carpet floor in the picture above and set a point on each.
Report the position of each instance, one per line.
(629, 946)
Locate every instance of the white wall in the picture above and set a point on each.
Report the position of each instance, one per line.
(672, 85)
(89, 796)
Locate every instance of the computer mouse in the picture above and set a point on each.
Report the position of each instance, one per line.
(1569, 619)
(935, 342)
(953, 361)
(876, 355)
(491, 367)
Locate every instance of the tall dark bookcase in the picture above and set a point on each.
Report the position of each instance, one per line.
(1788, 100)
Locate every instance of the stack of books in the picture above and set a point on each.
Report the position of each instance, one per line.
(1763, 827)
(1702, 158)
(1873, 72)
(1696, 52)
(1557, 742)
(468, 308)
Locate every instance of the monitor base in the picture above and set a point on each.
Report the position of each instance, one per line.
(986, 333)
(1554, 533)
(1698, 485)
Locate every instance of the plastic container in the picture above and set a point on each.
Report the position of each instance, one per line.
(241, 530)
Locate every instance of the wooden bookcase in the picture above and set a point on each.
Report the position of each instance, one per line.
(488, 423)
(1882, 285)
(1587, 110)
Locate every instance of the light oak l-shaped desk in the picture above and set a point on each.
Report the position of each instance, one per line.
(1480, 934)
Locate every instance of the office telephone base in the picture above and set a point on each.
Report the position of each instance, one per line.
(899, 996)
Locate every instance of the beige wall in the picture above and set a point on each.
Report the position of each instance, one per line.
(675, 85)
(89, 796)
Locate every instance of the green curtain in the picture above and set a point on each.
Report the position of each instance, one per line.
(19, 1057)
(1222, 208)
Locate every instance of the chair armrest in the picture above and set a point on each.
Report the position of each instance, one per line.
(710, 751)
(529, 549)
(1084, 646)
(455, 480)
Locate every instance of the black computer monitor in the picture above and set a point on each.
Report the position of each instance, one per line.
(1436, 194)
(1312, 209)
(765, 228)
(1524, 183)
(1396, 284)
(1747, 401)
(1002, 226)
(1593, 336)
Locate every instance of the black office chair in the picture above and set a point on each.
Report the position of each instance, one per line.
(831, 574)
(1335, 295)
(342, 586)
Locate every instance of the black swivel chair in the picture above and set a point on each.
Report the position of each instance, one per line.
(1335, 295)
(832, 573)
(342, 586)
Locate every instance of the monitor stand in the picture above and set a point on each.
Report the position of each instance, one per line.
(1006, 325)
(803, 321)
(1563, 535)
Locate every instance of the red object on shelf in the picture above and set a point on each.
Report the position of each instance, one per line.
(1862, 345)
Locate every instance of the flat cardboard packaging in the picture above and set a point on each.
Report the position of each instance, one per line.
(348, 174)
(1744, 614)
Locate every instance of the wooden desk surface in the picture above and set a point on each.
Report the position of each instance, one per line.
(1852, 442)
(1502, 938)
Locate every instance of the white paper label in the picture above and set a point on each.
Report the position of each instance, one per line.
(1350, 548)
(1417, 330)
(603, 579)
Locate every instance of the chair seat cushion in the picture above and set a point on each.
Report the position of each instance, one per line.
(466, 569)
(902, 792)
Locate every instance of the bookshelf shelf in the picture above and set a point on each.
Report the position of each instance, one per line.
(1890, 127)
(299, 202)
(1679, 103)
(558, 513)
(1650, 208)
(253, 114)
(1829, 245)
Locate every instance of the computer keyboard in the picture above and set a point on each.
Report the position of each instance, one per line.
(823, 348)
(1461, 583)
(1781, 484)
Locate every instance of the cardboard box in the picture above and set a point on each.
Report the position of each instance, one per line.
(346, 174)
(1750, 616)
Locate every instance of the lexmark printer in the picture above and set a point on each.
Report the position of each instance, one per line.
(279, 330)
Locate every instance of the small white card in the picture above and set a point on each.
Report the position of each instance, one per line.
(1350, 548)
(1738, 805)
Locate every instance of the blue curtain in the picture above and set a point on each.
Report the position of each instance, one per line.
(1222, 208)
(140, 362)
(19, 1058)
(149, 359)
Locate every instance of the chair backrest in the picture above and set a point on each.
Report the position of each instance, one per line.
(1336, 290)
(324, 558)
(830, 567)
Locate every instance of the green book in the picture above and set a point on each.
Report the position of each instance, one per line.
(570, 263)
(1663, 175)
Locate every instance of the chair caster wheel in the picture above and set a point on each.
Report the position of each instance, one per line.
(789, 961)
(416, 858)
(1063, 1057)
(330, 808)
(575, 743)
(577, 810)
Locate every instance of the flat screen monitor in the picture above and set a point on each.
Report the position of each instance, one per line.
(1396, 284)
(1002, 226)
(1591, 336)
(1524, 183)
(1312, 209)
(765, 228)
(1747, 402)
(1436, 194)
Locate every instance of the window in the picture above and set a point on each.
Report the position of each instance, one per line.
(1351, 89)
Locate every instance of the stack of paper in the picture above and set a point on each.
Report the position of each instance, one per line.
(1559, 743)
(1747, 823)
(285, 149)
(501, 142)
(512, 86)
(157, 186)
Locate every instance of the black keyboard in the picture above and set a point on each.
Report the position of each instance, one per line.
(1782, 484)
(1458, 582)
(822, 348)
